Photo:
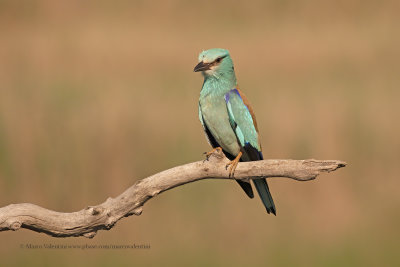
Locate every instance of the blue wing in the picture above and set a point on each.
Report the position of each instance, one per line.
(243, 122)
(242, 119)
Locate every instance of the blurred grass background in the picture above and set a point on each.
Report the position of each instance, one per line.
(95, 95)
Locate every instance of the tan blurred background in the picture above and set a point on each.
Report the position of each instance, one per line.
(96, 95)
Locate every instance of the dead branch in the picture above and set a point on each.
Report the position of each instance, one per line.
(88, 221)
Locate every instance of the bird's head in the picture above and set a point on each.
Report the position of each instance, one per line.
(215, 62)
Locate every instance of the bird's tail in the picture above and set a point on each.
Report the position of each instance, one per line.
(261, 185)
(266, 198)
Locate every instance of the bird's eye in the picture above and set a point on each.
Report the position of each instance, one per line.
(218, 60)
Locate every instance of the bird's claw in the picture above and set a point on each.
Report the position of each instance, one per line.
(208, 154)
(233, 164)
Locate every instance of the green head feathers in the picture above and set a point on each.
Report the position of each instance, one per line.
(216, 63)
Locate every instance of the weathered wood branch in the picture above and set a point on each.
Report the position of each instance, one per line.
(88, 221)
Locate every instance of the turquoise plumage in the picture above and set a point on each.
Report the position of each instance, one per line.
(228, 119)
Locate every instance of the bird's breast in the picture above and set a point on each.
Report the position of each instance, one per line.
(215, 116)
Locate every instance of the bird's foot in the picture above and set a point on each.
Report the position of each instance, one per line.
(233, 164)
(208, 154)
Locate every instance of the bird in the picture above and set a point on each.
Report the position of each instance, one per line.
(228, 119)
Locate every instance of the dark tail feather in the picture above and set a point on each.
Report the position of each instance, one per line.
(246, 186)
(260, 184)
(263, 191)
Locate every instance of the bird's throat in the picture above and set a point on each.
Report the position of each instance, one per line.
(218, 84)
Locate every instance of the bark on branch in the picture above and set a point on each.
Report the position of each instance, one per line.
(88, 221)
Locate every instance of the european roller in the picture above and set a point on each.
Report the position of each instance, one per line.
(228, 119)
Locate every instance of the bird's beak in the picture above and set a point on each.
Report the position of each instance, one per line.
(202, 66)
